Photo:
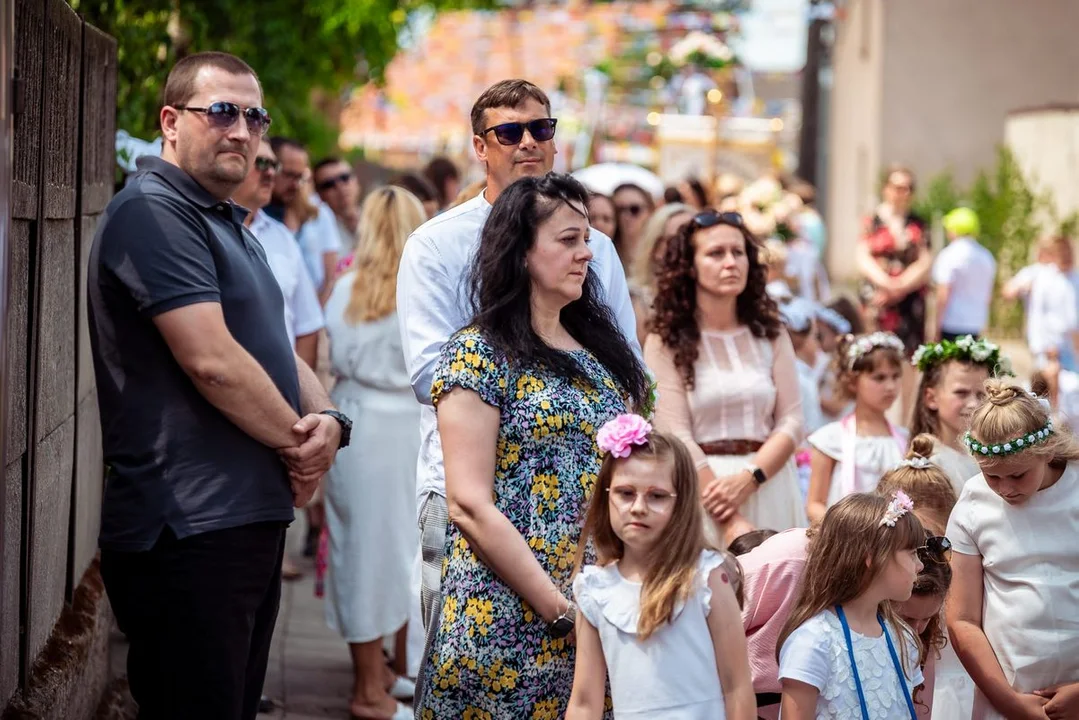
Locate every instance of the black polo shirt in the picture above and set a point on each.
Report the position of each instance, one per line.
(173, 459)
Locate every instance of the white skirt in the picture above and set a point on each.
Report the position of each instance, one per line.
(777, 504)
(953, 691)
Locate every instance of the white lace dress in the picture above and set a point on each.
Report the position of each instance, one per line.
(670, 676)
(816, 654)
(873, 456)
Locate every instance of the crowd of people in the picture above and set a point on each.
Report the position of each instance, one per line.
(568, 454)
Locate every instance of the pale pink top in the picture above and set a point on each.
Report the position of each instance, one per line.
(772, 579)
(745, 388)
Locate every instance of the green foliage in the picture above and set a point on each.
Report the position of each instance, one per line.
(307, 53)
(939, 197)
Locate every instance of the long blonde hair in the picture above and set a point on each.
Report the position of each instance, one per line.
(836, 571)
(388, 217)
(1010, 412)
(644, 270)
(672, 567)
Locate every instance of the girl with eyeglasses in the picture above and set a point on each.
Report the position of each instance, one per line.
(659, 608)
(725, 370)
(1015, 599)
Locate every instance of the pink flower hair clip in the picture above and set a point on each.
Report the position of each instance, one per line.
(900, 505)
(618, 436)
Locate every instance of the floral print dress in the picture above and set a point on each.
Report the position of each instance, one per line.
(492, 657)
(906, 317)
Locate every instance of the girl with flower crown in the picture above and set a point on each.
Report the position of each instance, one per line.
(850, 455)
(953, 376)
(658, 611)
(1012, 613)
(843, 652)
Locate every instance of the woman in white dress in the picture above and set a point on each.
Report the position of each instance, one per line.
(371, 488)
(726, 376)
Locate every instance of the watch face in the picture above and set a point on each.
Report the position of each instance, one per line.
(561, 627)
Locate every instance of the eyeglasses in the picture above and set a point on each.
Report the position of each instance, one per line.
(262, 164)
(223, 115)
(332, 182)
(937, 549)
(711, 218)
(631, 210)
(902, 188)
(657, 501)
(541, 130)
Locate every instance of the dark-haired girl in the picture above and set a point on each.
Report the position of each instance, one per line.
(520, 394)
(727, 381)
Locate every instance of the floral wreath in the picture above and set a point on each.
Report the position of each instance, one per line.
(868, 343)
(978, 449)
(900, 505)
(966, 349)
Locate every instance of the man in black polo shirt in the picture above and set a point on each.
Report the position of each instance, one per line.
(212, 428)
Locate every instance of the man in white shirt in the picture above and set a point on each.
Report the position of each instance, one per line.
(431, 284)
(303, 314)
(320, 241)
(963, 272)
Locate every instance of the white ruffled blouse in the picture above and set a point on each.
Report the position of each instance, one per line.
(672, 675)
(874, 455)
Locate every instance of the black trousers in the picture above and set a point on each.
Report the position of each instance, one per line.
(199, 615)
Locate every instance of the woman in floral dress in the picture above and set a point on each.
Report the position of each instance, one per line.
(519, 395)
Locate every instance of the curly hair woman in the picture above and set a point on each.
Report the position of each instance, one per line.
(726, 376)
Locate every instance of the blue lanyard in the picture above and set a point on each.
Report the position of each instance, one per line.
(908, 694)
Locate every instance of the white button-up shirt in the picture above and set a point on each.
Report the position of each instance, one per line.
(432, 303)
(317, 237)
(303, 314)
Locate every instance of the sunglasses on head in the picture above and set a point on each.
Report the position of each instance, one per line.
(262, 164)
(332, 182)
(541, 130)
(223, 115)
(937, 549)
(711, 218)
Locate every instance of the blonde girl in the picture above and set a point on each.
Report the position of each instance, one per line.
(660, 228)
(953, 376)
(843, 652)
(657, 612)
(851, 454)
(1013, 607)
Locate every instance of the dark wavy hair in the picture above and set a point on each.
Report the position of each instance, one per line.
(675, 305)
(500, 289)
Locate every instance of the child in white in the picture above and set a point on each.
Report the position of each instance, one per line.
(851, 454)
(665, 627)
(964, 273)
(831, 327)
(798, 316)
(1014, 604)
(843, 652)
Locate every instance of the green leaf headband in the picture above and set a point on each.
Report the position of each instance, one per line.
(967, 349)
(1011, 447)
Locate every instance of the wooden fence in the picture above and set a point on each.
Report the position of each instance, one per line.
(62, 168)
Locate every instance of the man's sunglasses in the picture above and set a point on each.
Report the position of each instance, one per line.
(223, 115)
(262, 164)
(332, 182)
(937, 549)
(711, 218)
(541, 130)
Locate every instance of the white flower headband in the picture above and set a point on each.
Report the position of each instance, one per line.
(918, 462)
(868, 343)
(900, 505)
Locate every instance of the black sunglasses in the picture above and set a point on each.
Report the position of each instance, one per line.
(262, 164)
(937, 549)
(334, 181)
(222, 115)
(541, 130)
(633, 210)
(711, 218)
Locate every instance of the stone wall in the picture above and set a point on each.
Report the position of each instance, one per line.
(54, 620)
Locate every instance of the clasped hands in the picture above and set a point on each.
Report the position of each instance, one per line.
(317, 440)
(725, 494)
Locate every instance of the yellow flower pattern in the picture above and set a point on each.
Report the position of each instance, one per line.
(493, 657)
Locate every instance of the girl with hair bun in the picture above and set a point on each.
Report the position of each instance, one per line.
(1012, 613)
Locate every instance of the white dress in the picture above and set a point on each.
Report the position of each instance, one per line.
(371, 488)
(873, 456)
(672, 675)
(816, 654)
(1031, 580)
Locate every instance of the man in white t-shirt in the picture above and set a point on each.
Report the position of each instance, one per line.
(964, 272)
(431, 284)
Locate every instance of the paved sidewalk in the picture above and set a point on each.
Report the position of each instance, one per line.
(310, 673)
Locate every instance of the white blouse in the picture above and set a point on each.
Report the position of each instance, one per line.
(874, 455)
(672, 675)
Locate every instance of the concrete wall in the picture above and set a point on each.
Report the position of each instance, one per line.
(1046, 146)
(934, 92)
(55, 618)
(854, 133)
